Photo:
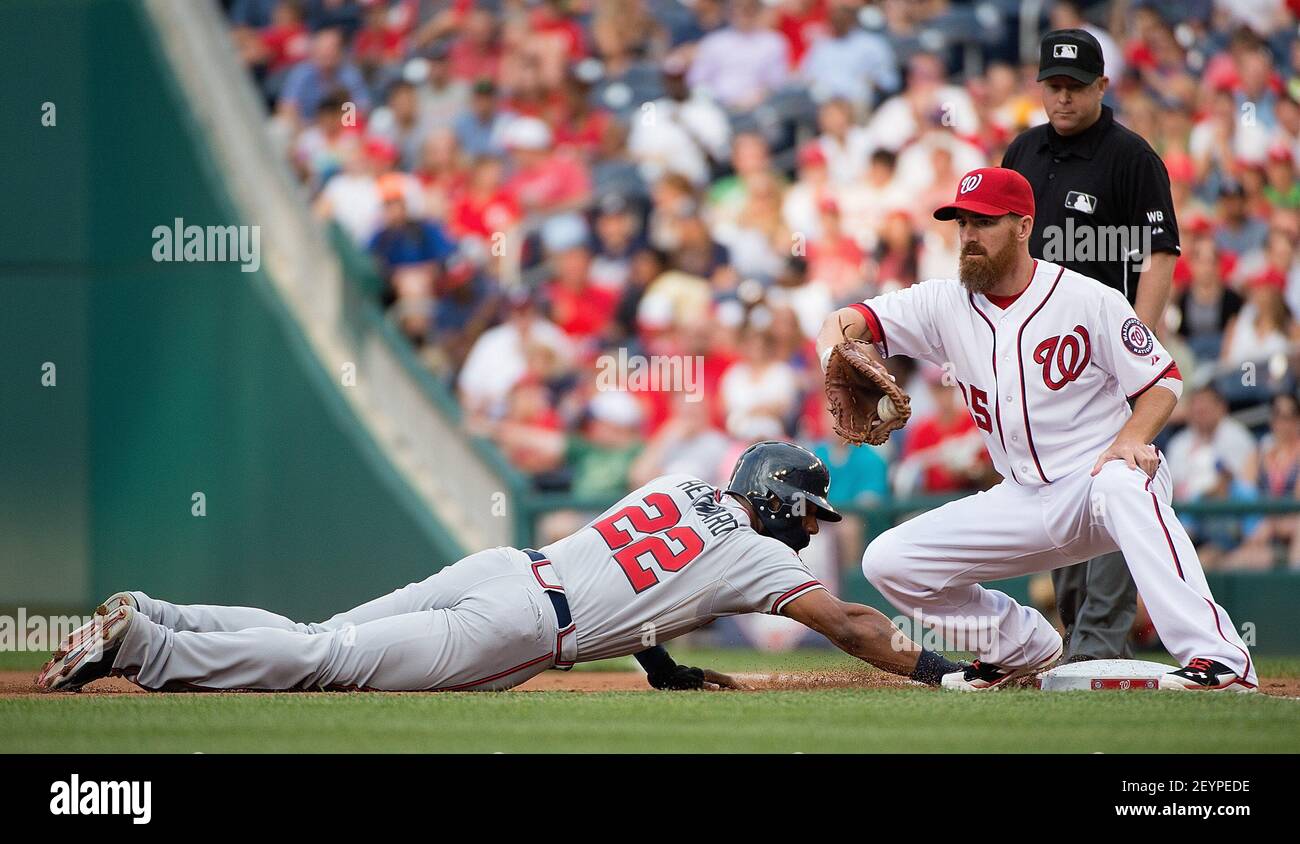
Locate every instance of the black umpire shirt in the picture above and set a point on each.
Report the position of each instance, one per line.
(1098, 194)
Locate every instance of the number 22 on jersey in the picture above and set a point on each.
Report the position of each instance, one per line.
(640, 537)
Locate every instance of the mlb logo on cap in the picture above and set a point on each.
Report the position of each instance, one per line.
(1070, 52)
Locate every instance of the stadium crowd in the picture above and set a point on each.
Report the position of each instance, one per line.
(669, 195)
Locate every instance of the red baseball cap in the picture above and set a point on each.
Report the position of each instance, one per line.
(992, 191)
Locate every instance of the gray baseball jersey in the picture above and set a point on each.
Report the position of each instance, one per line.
(666, 559)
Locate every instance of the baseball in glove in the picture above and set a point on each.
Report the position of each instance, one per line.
(862, 396)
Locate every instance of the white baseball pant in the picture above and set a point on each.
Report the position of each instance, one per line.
(932, 565)
(483, 623)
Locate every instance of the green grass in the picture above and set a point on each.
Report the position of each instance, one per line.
(825, 721)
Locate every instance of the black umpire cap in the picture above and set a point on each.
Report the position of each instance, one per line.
(1070, 52)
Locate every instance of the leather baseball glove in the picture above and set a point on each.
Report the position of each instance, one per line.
(855, 385)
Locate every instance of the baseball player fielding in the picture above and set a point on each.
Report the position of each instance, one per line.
(1047, 361)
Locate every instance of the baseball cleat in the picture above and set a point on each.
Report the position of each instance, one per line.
(982, 676)
(91, 658)
(75, 638)
(1205, 675)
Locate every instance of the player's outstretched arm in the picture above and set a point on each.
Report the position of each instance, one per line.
(868, 635)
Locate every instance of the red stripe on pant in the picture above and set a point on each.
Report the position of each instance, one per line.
(1179, 566)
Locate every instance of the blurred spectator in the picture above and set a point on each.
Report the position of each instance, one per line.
(944, 448)
(441, 172)
(810, 300)
(525, 343)
(1264, 327)
(466, 303)
(602, 454)
(1210, 437)
(683, 132)
(759, 383)
(409, 252)
(742, 63)
(579, 126)
(615, 239)
(1207, 306)
(687, 442)
(849, 62)
(529, 409)
(1274, 472)
(865, 202)
(480, 128)
(834, 258)
(1216, 536)
(399, 122)
(845, 146)
(752, 164)
(321, 148)
(279, 45)
(859, 474)
(896, 256)
(381, 40)
(476, 49)
(757, 240)
(928, 99)
(352, 197)
(484, 210)
(442, 97)
(313, 78)
(1238, 232)
(544, 181)
(801, 205)
(581, 308)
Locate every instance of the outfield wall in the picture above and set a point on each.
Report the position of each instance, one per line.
(172, 379)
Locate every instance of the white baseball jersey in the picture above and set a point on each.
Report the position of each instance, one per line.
(666, 559)
(1047, 378)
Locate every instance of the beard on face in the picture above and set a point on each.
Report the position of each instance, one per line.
(979, 271)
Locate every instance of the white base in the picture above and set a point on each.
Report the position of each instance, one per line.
(1099, 675)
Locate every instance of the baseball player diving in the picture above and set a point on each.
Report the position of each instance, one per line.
(1047, 361)
(666, 559)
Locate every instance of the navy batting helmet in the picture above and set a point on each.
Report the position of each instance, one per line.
(783, 482)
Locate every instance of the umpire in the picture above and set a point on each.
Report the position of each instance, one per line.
(1090, 173)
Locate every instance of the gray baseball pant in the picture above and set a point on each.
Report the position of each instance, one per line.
(481, 623)
(1097, 600)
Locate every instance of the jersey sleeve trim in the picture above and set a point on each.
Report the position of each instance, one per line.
(1171, 372)
(801, 589)
(873, 323)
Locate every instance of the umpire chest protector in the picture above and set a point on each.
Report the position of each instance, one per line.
(1102, 199)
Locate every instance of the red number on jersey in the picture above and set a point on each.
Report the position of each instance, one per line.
(629, 550)
(979, 409)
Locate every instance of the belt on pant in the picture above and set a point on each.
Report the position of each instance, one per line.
(555, 592)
